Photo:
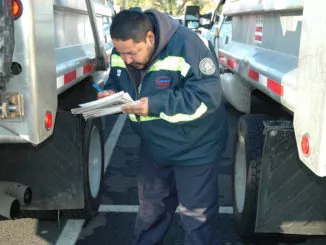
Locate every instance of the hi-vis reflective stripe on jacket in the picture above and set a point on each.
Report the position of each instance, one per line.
(117, 61)
(176, 118)
(170, 63)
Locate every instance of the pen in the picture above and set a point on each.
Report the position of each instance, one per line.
(97, 88)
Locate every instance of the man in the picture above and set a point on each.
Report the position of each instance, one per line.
(181, 122)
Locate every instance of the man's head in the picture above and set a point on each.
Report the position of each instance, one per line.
(132, 33)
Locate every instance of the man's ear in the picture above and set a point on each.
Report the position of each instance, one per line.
(150, 37)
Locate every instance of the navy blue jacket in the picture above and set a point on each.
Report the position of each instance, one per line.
(186, 123)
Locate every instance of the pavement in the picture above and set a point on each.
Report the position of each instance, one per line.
(114, 223)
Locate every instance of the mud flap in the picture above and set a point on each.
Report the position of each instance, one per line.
(53, 169)
(7, 40)
(291, 198)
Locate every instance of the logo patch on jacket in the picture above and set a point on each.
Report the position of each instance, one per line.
(163, 82)
(207, 66)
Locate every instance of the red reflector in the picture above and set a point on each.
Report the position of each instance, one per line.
(275, 87)
(305, 145)
(222, 59)
(258, 38)
(259, 29)
(87, 68)
(253, 75)
(232, 63)
(17, 9)
(70, 76)
(48, 120)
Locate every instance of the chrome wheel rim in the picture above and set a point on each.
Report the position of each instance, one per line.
(95, 162)
(240, 174)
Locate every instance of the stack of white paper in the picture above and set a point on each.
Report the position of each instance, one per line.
(105, 106)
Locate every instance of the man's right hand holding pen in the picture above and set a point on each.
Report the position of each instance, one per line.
(105, 93)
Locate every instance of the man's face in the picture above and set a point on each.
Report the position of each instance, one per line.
(136, 54)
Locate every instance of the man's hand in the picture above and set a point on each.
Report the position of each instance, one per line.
(140, 109)
(106, 93)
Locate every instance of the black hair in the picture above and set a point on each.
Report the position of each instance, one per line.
(129, 24)
(139, 9)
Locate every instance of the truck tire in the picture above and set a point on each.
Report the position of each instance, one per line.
(246, 171)
(93, 165)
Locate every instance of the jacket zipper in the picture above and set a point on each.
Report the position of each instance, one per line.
(140, 85)
(136, 92)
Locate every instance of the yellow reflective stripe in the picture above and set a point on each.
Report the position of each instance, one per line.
(185, 117)
(144, 119)
(133, 118)
(171, 63)
(117, 61)
(175, 118)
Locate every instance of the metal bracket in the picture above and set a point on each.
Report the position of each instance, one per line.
(101, 57)
(11, 105)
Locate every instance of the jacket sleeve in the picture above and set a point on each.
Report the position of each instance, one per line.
(112, 83)
(199, 92)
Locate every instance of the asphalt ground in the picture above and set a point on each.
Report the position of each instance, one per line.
(120, 202)
(114, 223)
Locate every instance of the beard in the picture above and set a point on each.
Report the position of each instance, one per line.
(138, 65)
(143, 64)
(146, 61)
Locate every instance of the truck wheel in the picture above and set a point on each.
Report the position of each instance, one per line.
(246, 171)
(93, 165)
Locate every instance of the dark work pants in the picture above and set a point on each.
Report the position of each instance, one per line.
(161, 189)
